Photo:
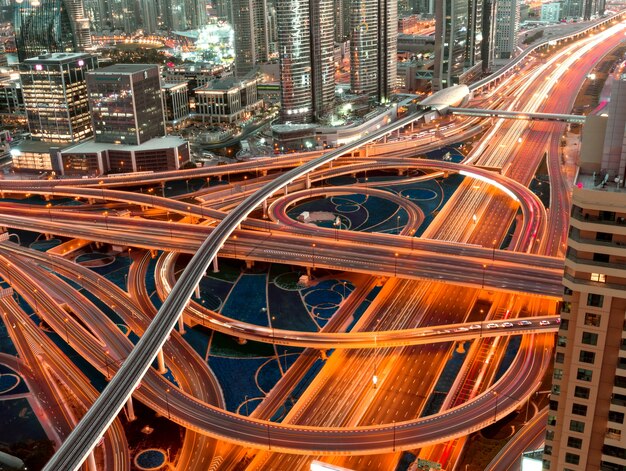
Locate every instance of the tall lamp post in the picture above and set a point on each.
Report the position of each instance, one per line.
(313, 258)
(484, 269)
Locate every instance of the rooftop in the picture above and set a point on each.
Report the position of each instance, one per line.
(56, 57)
(92, 147)
(124, 68)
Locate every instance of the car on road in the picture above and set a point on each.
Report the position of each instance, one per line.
(507, 324)
(492, 326)
(475, 326)
(524, 323)
(544, 322)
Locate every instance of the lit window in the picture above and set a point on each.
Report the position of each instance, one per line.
(600, 277)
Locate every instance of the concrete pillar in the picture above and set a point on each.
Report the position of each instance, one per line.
(181, 325)
(308, 272)
(249, 264)
(264, 173)
(286, 191)
(161, 362)
(130, 410)
(216, 267)
(265, 215)
(91, 462)
(308, 181)
(197, 293)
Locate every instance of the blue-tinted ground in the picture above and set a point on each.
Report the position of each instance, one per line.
(511, 351)
(18, 422)
(541, 188)
(268, 295)
(11, 382)
(375, 214)
(180, 187)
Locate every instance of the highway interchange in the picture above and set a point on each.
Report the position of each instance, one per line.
(410, 311)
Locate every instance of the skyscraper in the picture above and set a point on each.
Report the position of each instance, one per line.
(342, 20)
(489, 33)
(451, 25)
(55, 96)
(586, 423)
(507, 28)
(373, 47)
(50, 26)
(251, 34)
(126, 103)
(305, 51)
(582, 8)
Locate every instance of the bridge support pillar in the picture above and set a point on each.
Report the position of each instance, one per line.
(308, 181)
(308, 272)
(216, 267)
(47, 197)
(130, 409)
(91, 462)
(249, 264)
(264, 173)
(161, 362)
(197, 293)
(286, 191)
(181, 325)
(162, 185)
(265, 216)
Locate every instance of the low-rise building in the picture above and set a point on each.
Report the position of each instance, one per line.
(175, 103)
(227, 100)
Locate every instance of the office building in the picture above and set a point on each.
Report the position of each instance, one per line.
(488, 47)
(507, 28)
(93, 158)
(342, 20)
(43, 26)
(550, 12)
(305, 52)
(250, 23)
(175, 103)
(586, 427)
(126, 103)
(585, 9)
(55, 96)
(450, 42)
(228, 100)
(374, 47)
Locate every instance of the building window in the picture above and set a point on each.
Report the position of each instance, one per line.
(606, 466)
(546, 464)
(582, 392)
(586, 357)
(584, 374)
(566, 307)
(590, 338)
(592, 319)
(577, 426)
(564, 324)
(601, 257)
(604, 236)
(616, 451)
(595, 300)
(554, 405)
(558, 373)
(551, 420)
(619, 381)
(617, 417)
(574, 442)
(556, 389)
(572, 458)
(547, 450)
(613, 433)
(621, 363)
(550, 435)
(599, 277)
(579, 409)
(618, 399)
(560, 357)
(561, 341)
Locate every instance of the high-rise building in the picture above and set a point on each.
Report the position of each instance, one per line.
(305, 51)
(488, 46)
(451, 26)
(126, 103)
(250, 23)
(586, 422)
(582, 8)
(473, 47)
(55, 96)
(43, 26)
(507, 28)
(342, 20)
(373, 47)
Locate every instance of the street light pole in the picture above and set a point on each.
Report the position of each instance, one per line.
(313, 246)
(167, 402)
(394, 435)
(493, 258)
(395, 269)
(484, 269)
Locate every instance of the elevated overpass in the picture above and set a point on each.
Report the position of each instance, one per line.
(566, 118)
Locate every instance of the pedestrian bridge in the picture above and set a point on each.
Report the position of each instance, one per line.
(567, 118)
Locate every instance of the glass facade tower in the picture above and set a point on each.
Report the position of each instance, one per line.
(373, 47)
(305, 49)
(126, 103)
(55, 96)
(43, 26)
